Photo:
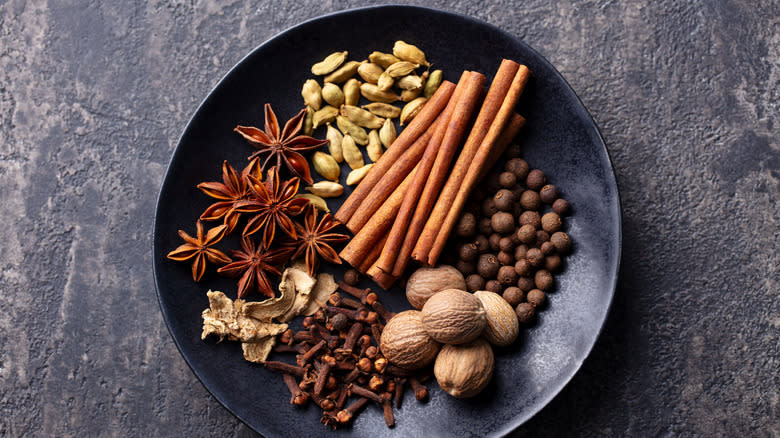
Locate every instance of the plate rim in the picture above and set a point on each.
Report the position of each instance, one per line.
(587, 117)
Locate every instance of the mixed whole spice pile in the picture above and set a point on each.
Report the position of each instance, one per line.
(426, 192)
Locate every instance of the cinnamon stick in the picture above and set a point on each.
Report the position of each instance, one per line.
(372, 256)
(479, 162)
(365, 240)
(509, 133)
(450, 136)
(493, 100)
(390, 180)
(395, 238)
(415, 129)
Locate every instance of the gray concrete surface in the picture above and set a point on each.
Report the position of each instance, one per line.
(94, 95)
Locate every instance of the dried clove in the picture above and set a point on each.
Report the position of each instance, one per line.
(420, 391)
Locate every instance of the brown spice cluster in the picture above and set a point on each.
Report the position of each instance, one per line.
(511, 239)
(338, 363)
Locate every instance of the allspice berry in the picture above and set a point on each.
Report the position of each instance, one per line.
(507, 275)
(493, 241)
(494, 286)
(517, 191)
(513, 296)
(467, 225)
(525, 283)
(526, 314)
(504, 200)
(465, 268)
(551, 222)
(507, 180)
(352, 277)
(543, 279)
(561, 241)
(535, 257)
(548, 194)
(475, 282)
(547, 248)
(527, 234)
(530, 200)
(520, 251)
(484, 227)
(505, 258)
(468, 252)
(506, 244)
(523, 268)
(519, 167)
(503, 222)
(535, 180)
(489, 207)
(553, 263)
(530, 217)
(487, 266)
(482, 243)
(536, 298)
(541, 237)
(561, 206)
(515, 240)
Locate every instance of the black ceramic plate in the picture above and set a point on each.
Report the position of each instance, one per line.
(560, 138)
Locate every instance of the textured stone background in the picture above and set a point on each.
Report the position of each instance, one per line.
(93, 97)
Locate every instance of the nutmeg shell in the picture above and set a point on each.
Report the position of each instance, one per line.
(405, 343)
(425, 282)
(464, 370)
(453, 316)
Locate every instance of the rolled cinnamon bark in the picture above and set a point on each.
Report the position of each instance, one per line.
(492, 103)
(415, 129)
(479, 162)
(400, 227)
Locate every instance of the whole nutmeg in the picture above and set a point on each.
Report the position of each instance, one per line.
(506, 244)
(484, 227)
(482, 243)
(526, 234)
(507, 180)
(505, 258)
(503, 222)
(475, 282)
(543, 279)
(535, 180)
(487, 266)
(504, 200)
(469, 251)
(561, 206)
(551, 222)
(489, 207)
(502, 326)
(530, 200)
(513, 296)
(467, 225)
(494, 286)
(425, 282)
(536, 297)
(519, 167)
(525, 283)
(530, 217)
(561, 241)
(352, 277)
(464, 370)
(526, 314)
(548, 194)
(405, 343)
(507, 275)
(535, 257)
(493, 241)
(466, 268)
(453, 316)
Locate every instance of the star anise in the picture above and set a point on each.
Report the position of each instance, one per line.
(314, 239)
(273, 203)
(200, 249)
(281, 146)
(253, 263)
(233, 189)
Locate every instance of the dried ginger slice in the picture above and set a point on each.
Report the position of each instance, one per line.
(258, 352)
(303, 284)
(223, 318)
(273, 307)
(324, 287)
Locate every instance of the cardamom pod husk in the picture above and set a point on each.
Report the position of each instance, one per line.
(326, 114)
(308, 122)
(352, 154)
(344, 72)
(351, 92)
(357, 133)
(409, 52)
(384, 60)
(387, 133)
(402, 68)
(374, 94)
(361, 117)
(410, 95)
(358, 174)
(326, 189)
(370, 72)
(312, 94)
(334, 137)
(383, 110)
(409, 82)
(330, 63)
(411, 109)
(374, 147)
(432, 84)
(326, 166)
(315, 200)
(385, 82)
(332, 94)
